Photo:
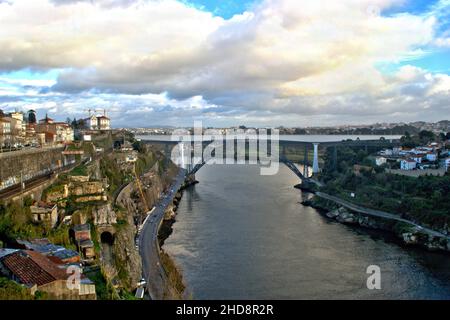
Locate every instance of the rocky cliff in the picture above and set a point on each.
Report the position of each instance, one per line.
(407, 234)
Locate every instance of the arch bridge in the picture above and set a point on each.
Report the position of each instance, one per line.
(194, 164)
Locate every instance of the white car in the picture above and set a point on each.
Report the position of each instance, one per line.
(142, 283)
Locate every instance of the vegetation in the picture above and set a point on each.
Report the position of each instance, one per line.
(112, 170)
(174, 275)
(80, 170)
(10, 290)
(423, 199)
(103, 288)
(16, 223)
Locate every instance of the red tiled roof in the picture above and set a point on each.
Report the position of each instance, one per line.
(31, 267)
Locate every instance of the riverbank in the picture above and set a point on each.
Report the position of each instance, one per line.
(173, 271)
(407, 232)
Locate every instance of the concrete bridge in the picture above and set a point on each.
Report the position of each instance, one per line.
(193, 163)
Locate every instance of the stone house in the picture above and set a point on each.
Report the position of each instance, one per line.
(44, 212)
(82, 235)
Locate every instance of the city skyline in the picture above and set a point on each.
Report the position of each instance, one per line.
(255, 63)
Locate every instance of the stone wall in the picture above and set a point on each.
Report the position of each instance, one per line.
(30, 164)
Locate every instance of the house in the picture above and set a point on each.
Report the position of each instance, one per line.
(431, 156)
(87, 249)
(447, 163)
(408, 164)
(5, 131)
(101, 122)
(57, 254)
(55, 131)
(17, 124)
(386, 152)
(92, 123)
(42, 211)
(38, 273)
(418, 157)
(379, 161)
(104, 123)
(5, 251)
(82, 232)
(64, 256)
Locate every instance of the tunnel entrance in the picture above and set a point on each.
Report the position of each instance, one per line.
(107, 238)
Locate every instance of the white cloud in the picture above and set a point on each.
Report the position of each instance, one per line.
(291, 57)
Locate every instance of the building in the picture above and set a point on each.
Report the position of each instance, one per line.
(59, 132)
(98, 122)
(18, 126)
(44, 212)
(82, 232)
(38, 273)
(58, 254)
(87, 249)
(65, 256)
(5, 131)
(447, 163)
(418, 157)
(431, 156)
(64, 132)
(408, 164)
(82, 235)
(386, 152)
(379, 161)
(104, 123)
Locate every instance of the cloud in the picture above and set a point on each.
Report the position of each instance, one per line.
(284, 57)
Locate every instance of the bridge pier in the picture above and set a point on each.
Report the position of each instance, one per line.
(335, 157)
(305, 162)
(316, 159)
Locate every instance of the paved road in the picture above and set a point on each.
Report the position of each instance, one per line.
(148, 242)
(381, 214)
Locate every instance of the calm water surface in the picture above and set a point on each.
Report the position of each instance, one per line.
(240, 235)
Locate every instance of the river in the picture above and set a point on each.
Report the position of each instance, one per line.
(240, 235)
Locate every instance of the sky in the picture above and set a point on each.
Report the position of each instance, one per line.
(256, 63)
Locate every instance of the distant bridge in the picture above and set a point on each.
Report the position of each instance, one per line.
(193, 165)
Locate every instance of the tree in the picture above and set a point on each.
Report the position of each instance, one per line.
(426, 136)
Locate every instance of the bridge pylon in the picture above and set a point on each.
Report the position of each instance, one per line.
(316, 159)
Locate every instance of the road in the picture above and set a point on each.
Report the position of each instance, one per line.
(381, 214)
(148, 242)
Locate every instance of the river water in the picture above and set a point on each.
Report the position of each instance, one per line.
(240, 235)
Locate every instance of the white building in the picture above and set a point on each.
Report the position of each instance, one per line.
(380, 161)
(387, 152)
(418, 158)
(98, 123)
(447, 163)
(431, 156)
(104, 123)
(408, 164)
